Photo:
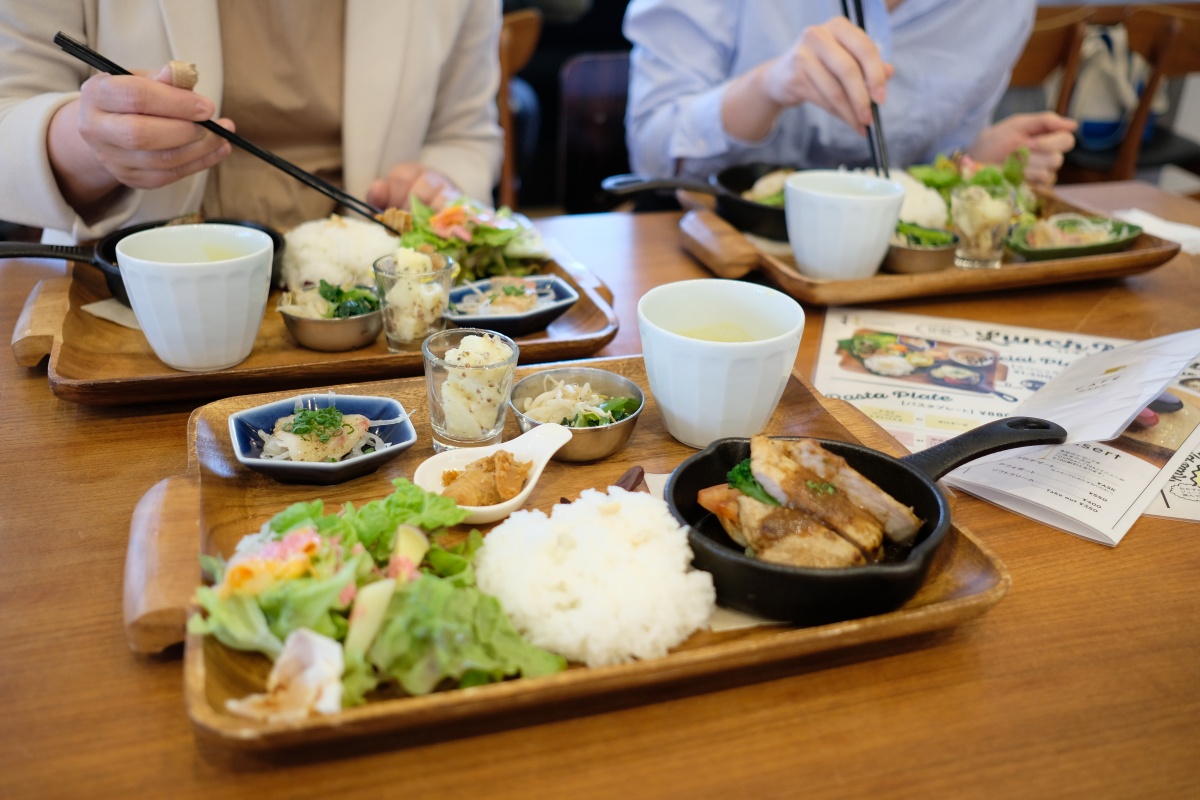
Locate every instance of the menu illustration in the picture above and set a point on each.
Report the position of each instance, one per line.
(917, 359)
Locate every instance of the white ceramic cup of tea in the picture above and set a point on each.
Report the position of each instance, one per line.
(718, 355)
(839, 223)
(199, 292)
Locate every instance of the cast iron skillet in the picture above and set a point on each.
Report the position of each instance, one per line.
(103, 254)
(727, 185)
(809, 596)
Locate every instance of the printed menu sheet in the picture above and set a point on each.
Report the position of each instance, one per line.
(927, 379)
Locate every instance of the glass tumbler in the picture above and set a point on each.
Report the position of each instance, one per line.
(981, 216)
(469, 374)
(413, 300)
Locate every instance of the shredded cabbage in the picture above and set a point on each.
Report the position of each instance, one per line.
(577, 406)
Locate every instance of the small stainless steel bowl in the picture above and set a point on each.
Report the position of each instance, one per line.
(916, 259)
(334, 335)
(587, 444)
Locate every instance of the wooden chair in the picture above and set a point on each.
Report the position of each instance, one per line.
(591, 129)
(1169, 39)
(519, 36)
(1054, 42)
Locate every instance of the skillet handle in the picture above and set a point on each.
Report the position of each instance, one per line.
(35, 250)
(1002, 434)
(632, 183)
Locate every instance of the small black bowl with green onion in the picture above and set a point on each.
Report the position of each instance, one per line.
(916, 249)
(332, 319)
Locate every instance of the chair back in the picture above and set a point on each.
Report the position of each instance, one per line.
(1054, 42)
(519, 36)
(1169, 39)
(591, 129)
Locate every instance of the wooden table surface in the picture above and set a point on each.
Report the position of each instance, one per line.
(1082, 682)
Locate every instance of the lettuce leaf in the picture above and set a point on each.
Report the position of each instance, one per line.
(358, 678)
(308, 603)
(236, 622)
(297, 515)
(437, 631)
(454, 563)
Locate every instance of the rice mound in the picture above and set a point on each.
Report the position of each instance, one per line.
(336, 249)
(921, 205)
(603, 580)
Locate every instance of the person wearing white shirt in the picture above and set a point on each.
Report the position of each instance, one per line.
(720, 82)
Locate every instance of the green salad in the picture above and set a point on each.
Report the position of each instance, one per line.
(484, 243)
(405, 612)
(945, 173)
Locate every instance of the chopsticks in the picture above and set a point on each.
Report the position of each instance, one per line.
(91, 57)
(875, 141)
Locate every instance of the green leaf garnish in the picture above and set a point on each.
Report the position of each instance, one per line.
(819, 487)
(742, 479)
(319, 423)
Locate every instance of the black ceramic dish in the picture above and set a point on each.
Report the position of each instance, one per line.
(809, 596)
(727, 185)
(103, 254)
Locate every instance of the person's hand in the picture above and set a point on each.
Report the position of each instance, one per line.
(412, 179)
(1046, 135)
(834, 66)
(142, 129)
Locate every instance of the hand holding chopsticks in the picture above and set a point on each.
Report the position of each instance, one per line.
(874, 132)
(91, 57)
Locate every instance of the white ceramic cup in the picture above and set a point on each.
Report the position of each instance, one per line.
(199, 292)
(839, 223)
(718, 354)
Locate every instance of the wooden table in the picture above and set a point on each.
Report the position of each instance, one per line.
(1081, 682)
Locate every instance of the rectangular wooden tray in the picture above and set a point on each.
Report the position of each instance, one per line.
(230, 501)
(731, 254)
(97, 362)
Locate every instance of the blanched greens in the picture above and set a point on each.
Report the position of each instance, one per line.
(347, 302)
(919, 236)
(618, 407)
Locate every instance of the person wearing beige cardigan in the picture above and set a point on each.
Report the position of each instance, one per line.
(84, 154)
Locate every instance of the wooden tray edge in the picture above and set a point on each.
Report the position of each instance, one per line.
(168, 387)
(1148, 252)
(526, 695)
(39, 325)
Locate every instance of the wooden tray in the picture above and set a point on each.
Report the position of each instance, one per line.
(731, 254)
(97, 362)
(218, 502)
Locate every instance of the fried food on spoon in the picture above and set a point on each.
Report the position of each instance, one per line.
(490, 480)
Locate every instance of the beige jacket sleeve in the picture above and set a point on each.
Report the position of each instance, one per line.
(421, 80)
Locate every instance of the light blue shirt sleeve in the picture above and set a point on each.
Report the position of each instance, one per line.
(952, 60)
(679, 68)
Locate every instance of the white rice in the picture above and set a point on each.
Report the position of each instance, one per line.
(603, 580)
(922, 205)
(337, 249)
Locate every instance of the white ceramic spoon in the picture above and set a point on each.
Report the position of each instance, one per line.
(537, 446)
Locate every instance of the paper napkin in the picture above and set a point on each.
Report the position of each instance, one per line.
(1186, 235)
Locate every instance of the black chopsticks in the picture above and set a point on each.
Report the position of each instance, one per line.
(91, 57)
(875, 141)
